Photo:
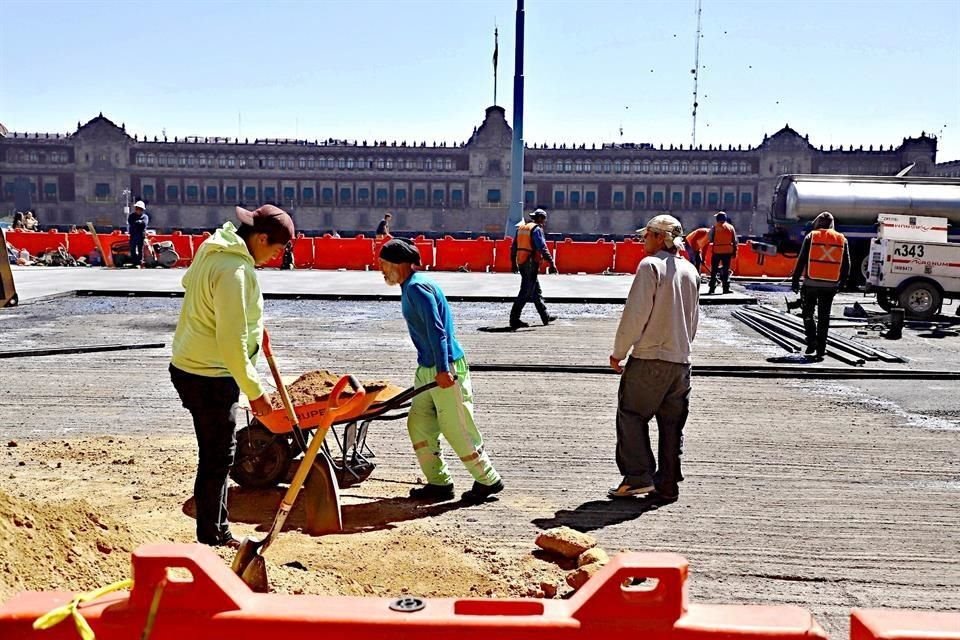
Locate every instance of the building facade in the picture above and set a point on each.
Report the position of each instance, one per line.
(610, 189)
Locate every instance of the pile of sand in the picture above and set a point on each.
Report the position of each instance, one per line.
(315, 386)
(46, 546)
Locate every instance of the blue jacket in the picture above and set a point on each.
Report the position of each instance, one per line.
(137, 225)
(430, 322)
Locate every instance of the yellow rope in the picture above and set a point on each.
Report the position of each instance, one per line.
(71, 610)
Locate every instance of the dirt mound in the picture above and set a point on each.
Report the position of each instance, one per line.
(47, 546)
(315, 386)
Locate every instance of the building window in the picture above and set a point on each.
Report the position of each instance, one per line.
(744, 168)
(141, 158)
(456, 196)
(646, 166)
(192, 193)
(703, 167)
(101, 190)
(558, 198)
(389, 163)
(639, 198)
(289, 194)
(684, 167)
(302, 162)
(307, 194)
(591, 198)
(607, 166)
(382, 196)
(578, 166)
(33, 156)
(729, 199)
(658, 198)
(202, 161)
(696, 200)
(363, 195)
(538, 166)
(231, 162)
(50, 191)
(548, 166)
(191, 161)
(568, 166)
(713, 199)
(675, 167)
(746, 200)
(617, 166)
(151, 159)
(493, 196)
(529, 197)
(212, 194)
(341, 163)
(269, 194)
(587, 166)
(438, 196)
(419, 197)
(575, 199)
(380, 163)
(448, 164)
(346, 194)
(222, 162)
(656, 166)
(714, 167)
(618, 199)
(723, 167)
(410, 164)
(230, 194)
(419, 164)
(400, 196)
(243, 162)
(173, 193)
(351, 163)
(148, 192)
(182, 161)
(327, 195)
(676, 199)
(250, 194)
(283, 162)
(311, 163)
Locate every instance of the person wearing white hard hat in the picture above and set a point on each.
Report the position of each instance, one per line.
(656, 330)
(137, 228)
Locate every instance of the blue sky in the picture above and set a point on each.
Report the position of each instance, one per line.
(844, 72)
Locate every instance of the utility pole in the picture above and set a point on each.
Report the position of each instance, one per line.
(515, 214)
(696, 75)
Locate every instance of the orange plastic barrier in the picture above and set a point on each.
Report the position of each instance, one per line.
(584, 257)
(502, 262)
(427, 253)
(303, 252)
(627, 256)
(183, 244)
(215, 603)
(36, 242)
(342, 253)
(476, 254)
(902, 624)
(80, 244)
(753, 264)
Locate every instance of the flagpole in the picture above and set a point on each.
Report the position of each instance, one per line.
(496, 52)
(515, 213)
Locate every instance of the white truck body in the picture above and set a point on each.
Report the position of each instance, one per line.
(912, 265)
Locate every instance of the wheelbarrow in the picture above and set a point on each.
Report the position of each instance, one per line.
(268, 447)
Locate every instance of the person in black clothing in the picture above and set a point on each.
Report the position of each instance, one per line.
(824, 263)
(383, 229)
(137, 228)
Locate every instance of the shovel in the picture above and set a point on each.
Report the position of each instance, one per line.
(249, 563)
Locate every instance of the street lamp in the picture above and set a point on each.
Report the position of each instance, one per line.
(126, 201)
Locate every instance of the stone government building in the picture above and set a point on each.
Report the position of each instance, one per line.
(436, 189)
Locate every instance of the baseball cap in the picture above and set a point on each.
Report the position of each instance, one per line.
(665, 224)
(268, 219)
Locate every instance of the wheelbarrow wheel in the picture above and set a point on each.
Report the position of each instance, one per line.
(262, 458)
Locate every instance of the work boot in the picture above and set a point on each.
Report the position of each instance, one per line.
(519, 324)
(726, 289)
(479, 493)
(711, 291)
(811, 349)
(433, 492)
(548, 320)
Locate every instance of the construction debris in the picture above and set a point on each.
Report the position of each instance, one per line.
(591, 556)
(565, 542)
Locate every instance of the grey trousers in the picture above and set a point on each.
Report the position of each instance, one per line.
(648, 389)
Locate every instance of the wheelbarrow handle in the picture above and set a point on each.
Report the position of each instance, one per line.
(358, 399)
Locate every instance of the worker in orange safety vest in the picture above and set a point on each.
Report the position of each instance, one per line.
(824, 264)
(696, 241)
(528, 250)
(723, 239)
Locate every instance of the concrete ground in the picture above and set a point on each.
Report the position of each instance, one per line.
(828, 495)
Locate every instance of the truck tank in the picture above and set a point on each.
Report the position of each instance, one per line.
(857, 200)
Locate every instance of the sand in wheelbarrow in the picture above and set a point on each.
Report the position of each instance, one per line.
(315, 386)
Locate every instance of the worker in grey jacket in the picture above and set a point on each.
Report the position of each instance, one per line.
(658, 325)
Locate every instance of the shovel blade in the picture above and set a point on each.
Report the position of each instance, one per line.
(255, 575)
(248, 551)
(321, 494)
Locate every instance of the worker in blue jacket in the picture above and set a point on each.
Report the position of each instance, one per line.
(446, 409)
(528, 250)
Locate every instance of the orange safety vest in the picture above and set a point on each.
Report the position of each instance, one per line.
(525, 242)
(723, 237)
(698, 238)
(826, 255)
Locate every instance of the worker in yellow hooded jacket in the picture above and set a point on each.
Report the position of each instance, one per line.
(215, 349)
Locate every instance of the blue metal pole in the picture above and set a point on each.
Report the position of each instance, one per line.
(515, 214)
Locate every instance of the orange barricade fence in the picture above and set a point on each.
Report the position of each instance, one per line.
(37, 242)
(214, 603)
(303, 252)
(903, 624)
(80, 244)
(427, 252)
(475, 254)
(502, 262)
(627, 256)
(182, 244)
(584, 257)
(355, 254)
(750, 263)
(377, 245)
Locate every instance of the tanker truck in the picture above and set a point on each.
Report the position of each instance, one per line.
(856, 202)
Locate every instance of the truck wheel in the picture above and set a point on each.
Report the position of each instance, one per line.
(262, 458)
(885, 301)
(921, 300)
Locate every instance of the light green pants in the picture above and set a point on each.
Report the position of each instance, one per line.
(448, 412)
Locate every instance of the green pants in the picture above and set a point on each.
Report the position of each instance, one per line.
(448, 412)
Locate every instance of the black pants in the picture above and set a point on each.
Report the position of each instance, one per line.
(212, 403)
(720, 265)
(136, 250)
(648, 389)
(529, 292)
(821, 300)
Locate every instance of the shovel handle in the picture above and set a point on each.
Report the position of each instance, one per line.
(278, 381)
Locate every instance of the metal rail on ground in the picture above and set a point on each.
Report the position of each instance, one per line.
(843, 354)
(59, 351)
(737, 371)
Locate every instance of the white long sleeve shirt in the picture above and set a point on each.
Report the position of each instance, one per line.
(662, 311)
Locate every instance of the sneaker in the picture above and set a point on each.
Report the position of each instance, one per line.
(662, 497)
(480, 492)
(549, 319)
(432, 492)
(626, 490)
(519, 324)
